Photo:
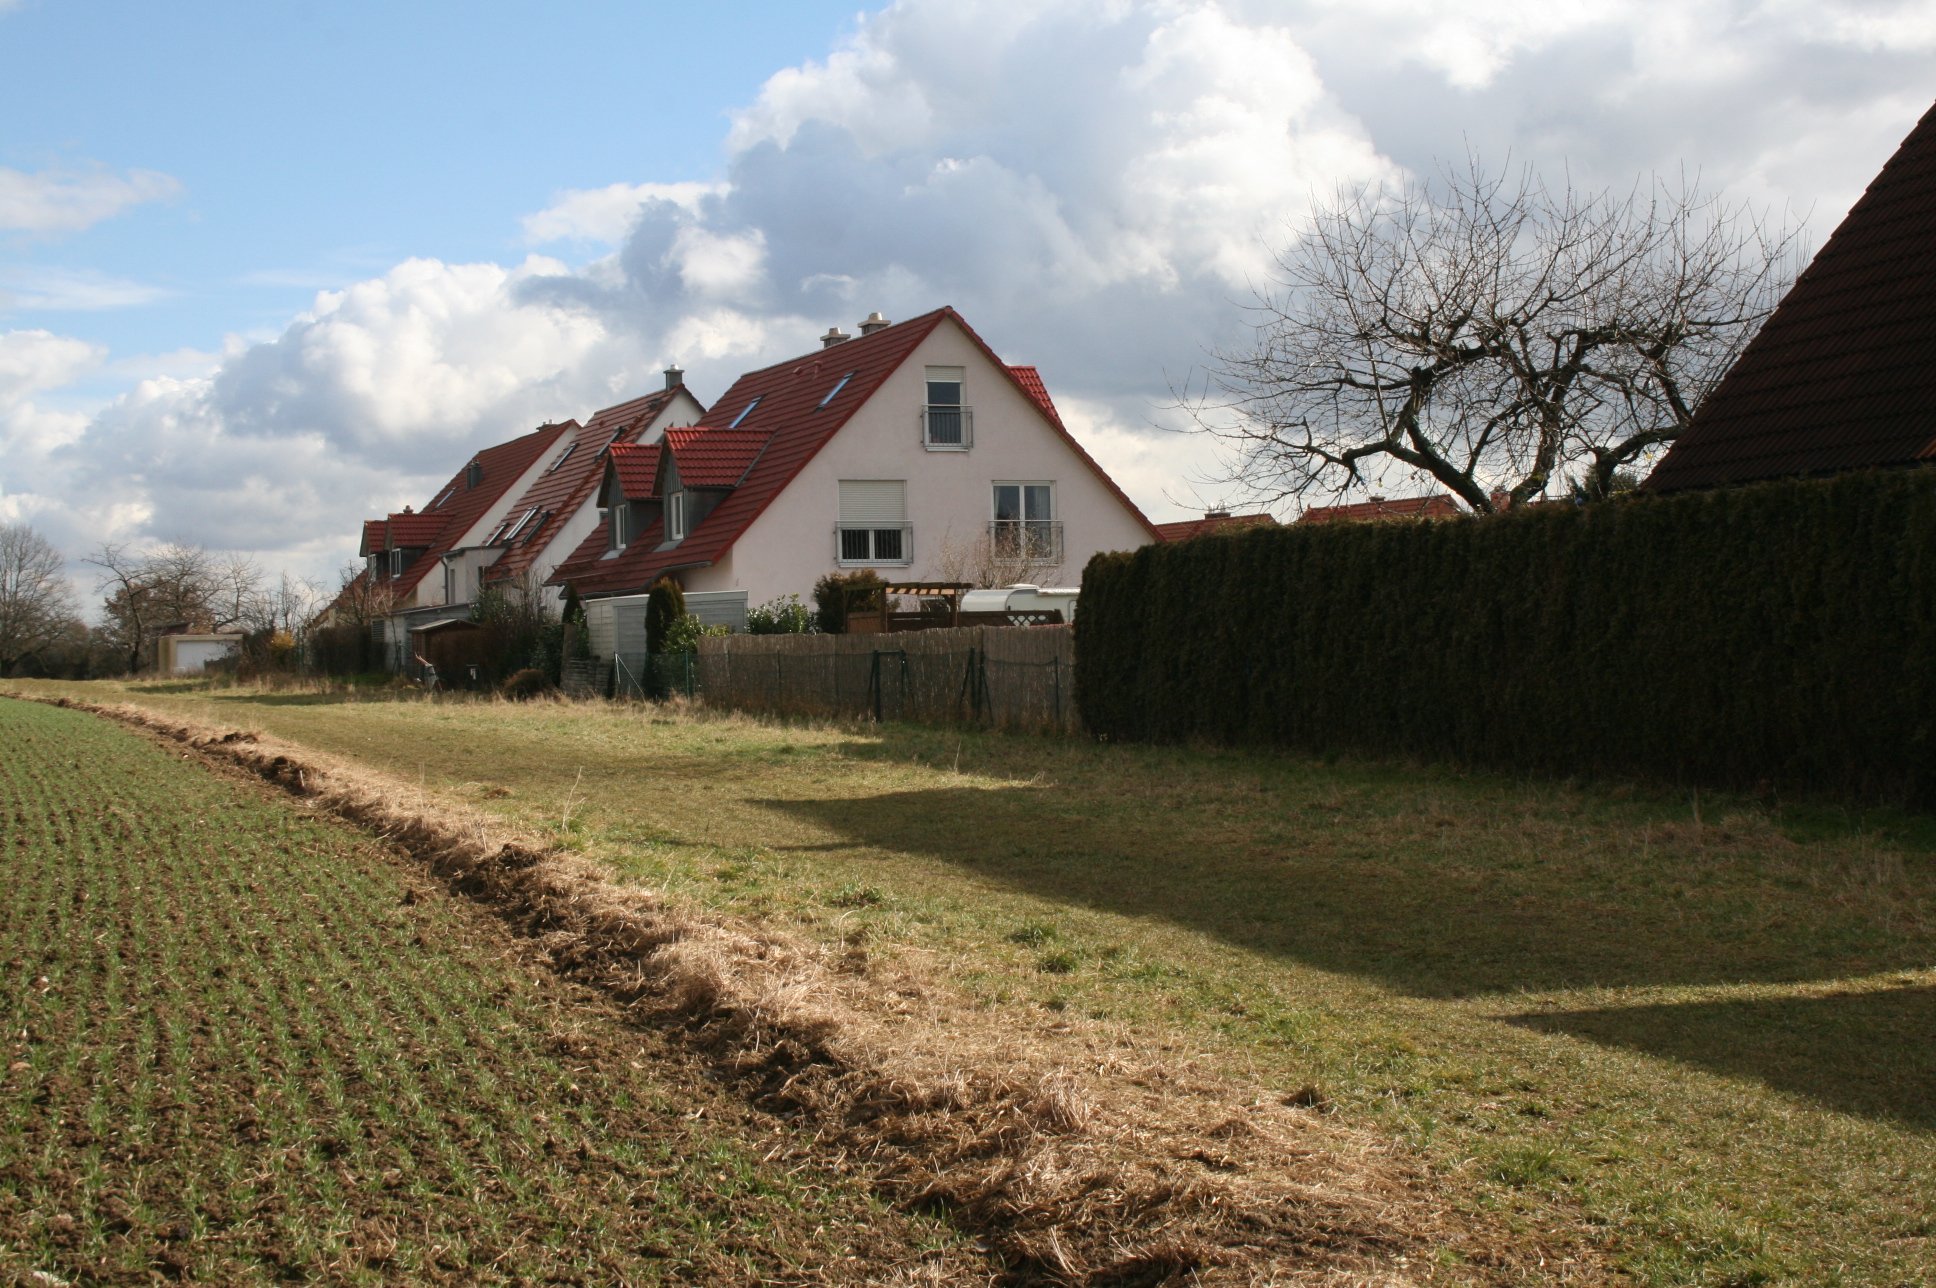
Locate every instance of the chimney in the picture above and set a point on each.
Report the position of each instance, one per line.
(406, 509)
(1216, 514)
(833, 337)
(875, 322)
(674, 377)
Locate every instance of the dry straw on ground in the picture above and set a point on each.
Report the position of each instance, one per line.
(1071, 1155)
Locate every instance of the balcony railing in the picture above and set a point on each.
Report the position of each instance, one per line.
(947, 428)
(891, 543)
(1035, 541)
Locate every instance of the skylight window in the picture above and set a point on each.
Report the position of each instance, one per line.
(563, 456)
(447, 495)
(512, 535)
(832, 393)
(748, 412)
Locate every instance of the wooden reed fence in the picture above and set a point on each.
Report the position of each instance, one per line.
(1009, 677)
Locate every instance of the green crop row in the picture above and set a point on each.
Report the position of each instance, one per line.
(243, 1046)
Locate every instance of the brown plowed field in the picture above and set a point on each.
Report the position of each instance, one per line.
(243, 1045)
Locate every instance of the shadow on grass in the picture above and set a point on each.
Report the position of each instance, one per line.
(1395, 909)
(1872, 1054)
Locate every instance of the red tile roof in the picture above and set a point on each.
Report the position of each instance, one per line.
(1031, 382)
(439, 528)
(794, 408)
(1212, 523)
(1843, 375)
(636, 467)
(715, 457)
(557, 495)
(1437, 506)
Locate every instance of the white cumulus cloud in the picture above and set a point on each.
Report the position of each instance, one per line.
(1096, 184)
(607, 214)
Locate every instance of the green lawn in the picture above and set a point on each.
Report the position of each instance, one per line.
(1711, 1044)
(246, 1045)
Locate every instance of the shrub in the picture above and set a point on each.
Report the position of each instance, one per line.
(783, 616)
(684, 634)
(1783, 633)
(526, 684)
(665, 604)
(830, 598)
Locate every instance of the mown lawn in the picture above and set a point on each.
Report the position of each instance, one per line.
(1711, 1036)
(245, 1045)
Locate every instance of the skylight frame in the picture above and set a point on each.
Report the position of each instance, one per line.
(748, 412)
(835, 391)
(563, 457)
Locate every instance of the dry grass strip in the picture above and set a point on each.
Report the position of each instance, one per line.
(1073, 1157)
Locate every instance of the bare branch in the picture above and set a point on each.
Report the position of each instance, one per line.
(1491, 335)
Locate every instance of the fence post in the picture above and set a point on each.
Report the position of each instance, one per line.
(874, 684)
(1056, 663)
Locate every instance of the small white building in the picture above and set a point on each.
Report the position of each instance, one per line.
(184, 653)
(911, 449)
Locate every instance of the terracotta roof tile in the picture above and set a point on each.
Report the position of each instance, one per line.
(637, 468)
(438, 528)
(1843, 375)
(1219, 523)
(794, 407)
(715, 457)
(1437, 506)
(559, 493)
(1031, 382)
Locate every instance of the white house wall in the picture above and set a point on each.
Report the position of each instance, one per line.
(949, 494)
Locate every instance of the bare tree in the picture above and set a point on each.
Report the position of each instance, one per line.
(361, 599)
(170, 585)
(984, 563)
(1491, 335)
(36, 602)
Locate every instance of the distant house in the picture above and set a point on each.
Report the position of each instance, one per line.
(405, 554)
(506, 519)
(911, 449)
(1843, 375)
(1439, 505)
(1212, 521)
(561, 508)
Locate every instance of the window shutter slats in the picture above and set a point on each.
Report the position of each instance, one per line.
(873, 501)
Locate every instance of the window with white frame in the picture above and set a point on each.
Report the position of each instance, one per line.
(873, 527)
(1024, 528)
(675, 509)
(947, 422)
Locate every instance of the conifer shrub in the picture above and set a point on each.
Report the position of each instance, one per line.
(831, 600)
(1782, 634)
(665, 604)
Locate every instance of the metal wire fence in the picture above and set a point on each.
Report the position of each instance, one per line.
(1006, 677)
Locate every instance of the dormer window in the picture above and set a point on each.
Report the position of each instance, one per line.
(676, 513)
(947, 424)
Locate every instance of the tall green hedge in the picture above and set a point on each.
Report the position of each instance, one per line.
(1782, 633)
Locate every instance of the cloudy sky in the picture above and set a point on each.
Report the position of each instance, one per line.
(269, 267)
